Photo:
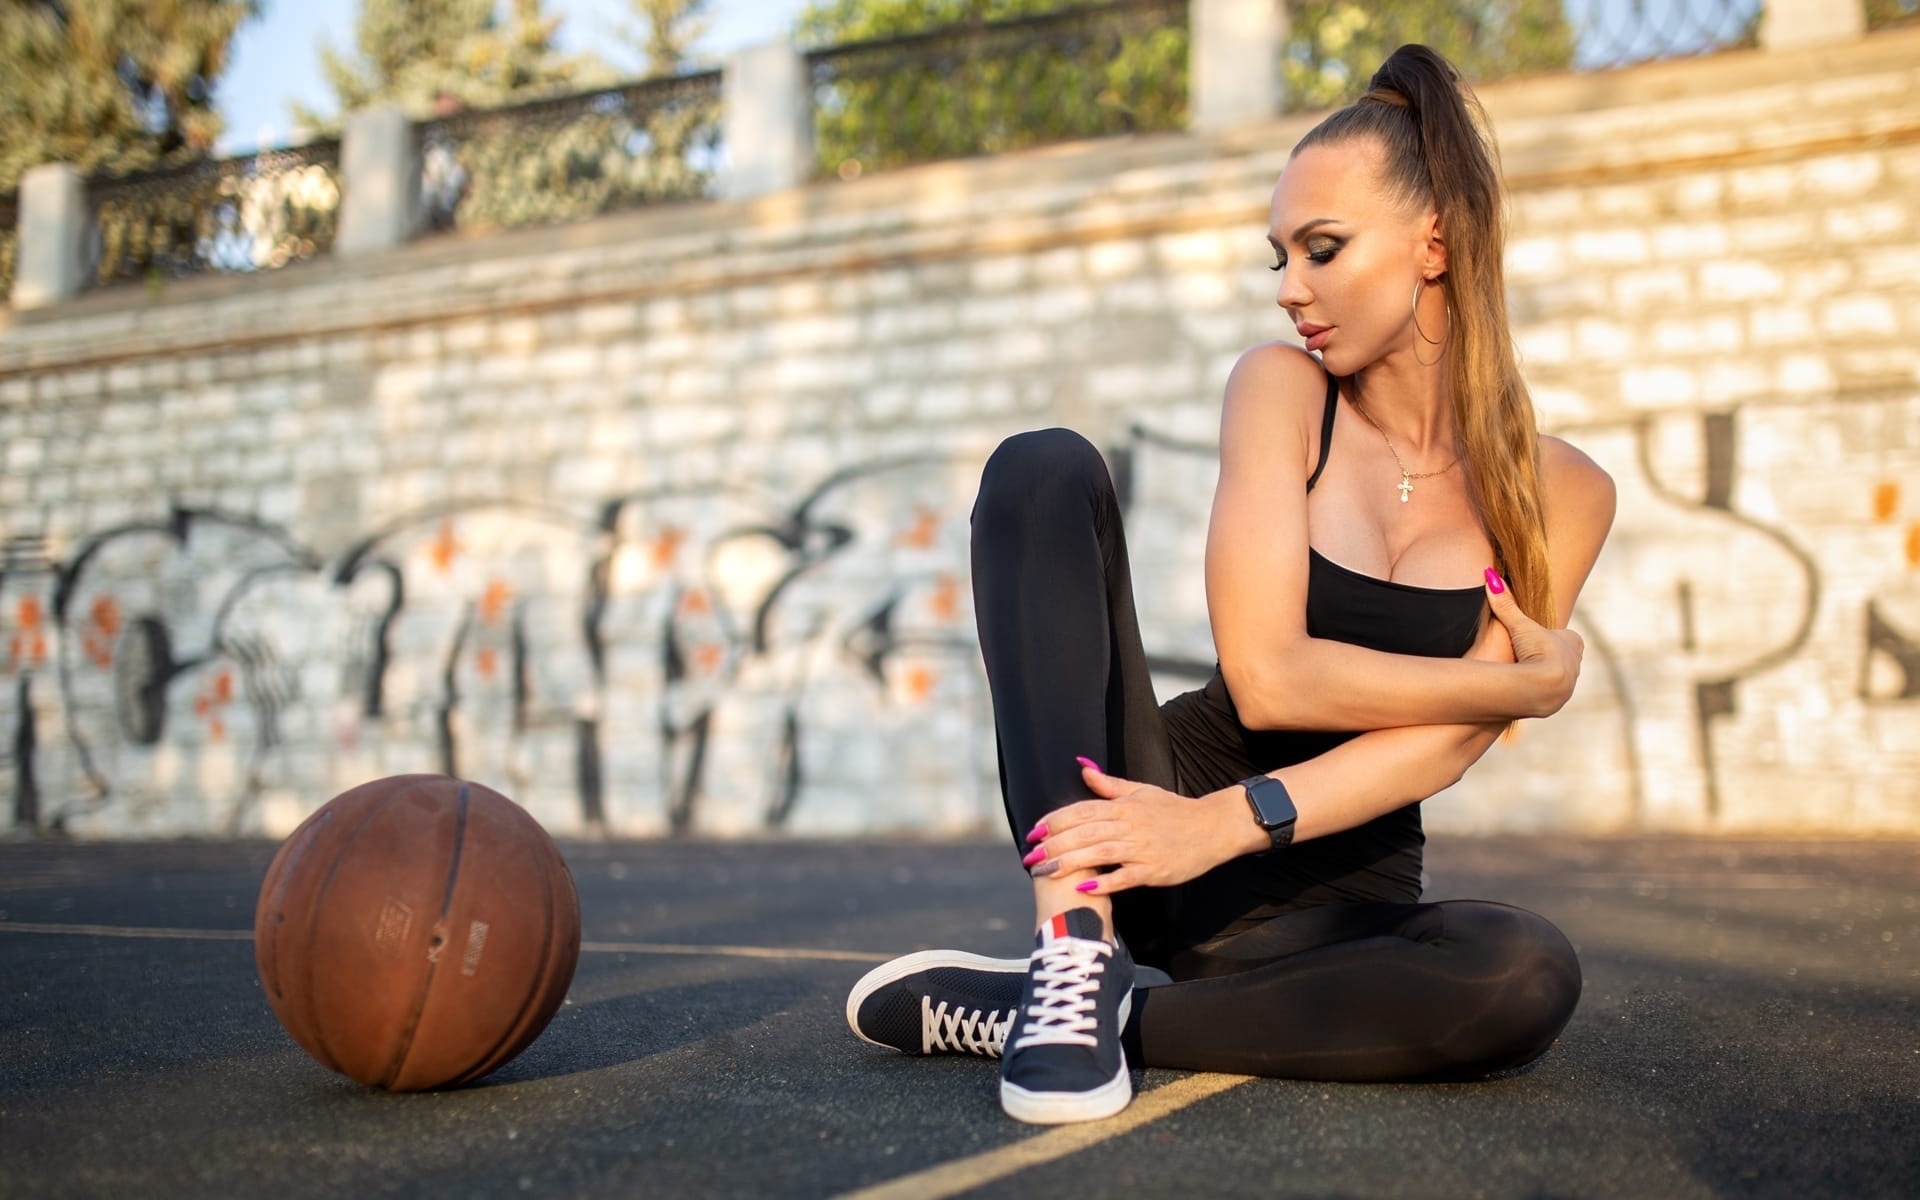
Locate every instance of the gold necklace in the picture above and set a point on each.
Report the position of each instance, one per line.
(1406, 477)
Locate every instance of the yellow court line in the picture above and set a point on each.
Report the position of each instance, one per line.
(965, 1174)
(246, 935)
(861, 956)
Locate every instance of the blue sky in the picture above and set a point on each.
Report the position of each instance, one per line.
(276, 57)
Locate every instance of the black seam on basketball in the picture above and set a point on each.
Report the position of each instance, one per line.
(459, 845)
(276, 904)
(314, 909)
(485, 1064)
(426, 984)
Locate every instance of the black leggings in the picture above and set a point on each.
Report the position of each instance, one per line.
(1341, 990)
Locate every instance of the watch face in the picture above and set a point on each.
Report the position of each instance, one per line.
(1271, 803)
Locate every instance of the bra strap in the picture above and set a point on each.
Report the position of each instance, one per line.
(1326, 430)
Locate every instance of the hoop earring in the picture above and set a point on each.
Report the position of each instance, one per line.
(1441, 340)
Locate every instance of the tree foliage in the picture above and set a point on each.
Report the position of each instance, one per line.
(430, 57)
(664, 32)
(978, 91)
(114, 85)
(1335, 45)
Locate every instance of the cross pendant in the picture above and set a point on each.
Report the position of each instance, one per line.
(1406, 488)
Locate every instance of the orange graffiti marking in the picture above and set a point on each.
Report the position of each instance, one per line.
(706, 658)
(444, 548)
(494, 602)
(211, 704)
(97, 635)
(695, 603)
(1913, 544)
(919, 681)
(666, 546)
(946, 598)
(924, 530)
(487, 662)
(29, 646)
(1886, 500)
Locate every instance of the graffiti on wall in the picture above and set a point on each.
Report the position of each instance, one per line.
(717, 653)
(723, 660)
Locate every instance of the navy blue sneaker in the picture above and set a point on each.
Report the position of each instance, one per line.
(1063, 1061)
(938, 1002)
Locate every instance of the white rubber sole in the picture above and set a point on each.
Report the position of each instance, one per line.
(925, 960)
(1064, 1108)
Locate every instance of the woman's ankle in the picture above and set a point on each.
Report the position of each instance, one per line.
(1057, 894)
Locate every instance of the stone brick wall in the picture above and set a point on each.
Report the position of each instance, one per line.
(660, 522)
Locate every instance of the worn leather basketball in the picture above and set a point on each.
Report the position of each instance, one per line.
(417, 932)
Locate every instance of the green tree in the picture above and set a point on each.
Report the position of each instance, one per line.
(431, 57)
(983, 90)
(665, 32)
(1335, 45)
(112, 85)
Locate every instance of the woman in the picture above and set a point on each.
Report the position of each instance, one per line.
(1392, 558)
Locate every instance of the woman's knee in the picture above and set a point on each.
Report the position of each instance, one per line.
(1033, 472)
(1533, 979)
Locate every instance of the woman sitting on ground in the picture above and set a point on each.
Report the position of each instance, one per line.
(1392, 559)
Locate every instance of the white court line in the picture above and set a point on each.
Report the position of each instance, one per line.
(246, 935)
(965, 1174)
(130, 931)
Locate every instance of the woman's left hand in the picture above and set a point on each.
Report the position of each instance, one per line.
(1150, 836)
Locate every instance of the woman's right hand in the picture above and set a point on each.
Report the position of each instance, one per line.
(1551, 657)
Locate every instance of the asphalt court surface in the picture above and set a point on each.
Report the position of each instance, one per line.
(1750, 1026)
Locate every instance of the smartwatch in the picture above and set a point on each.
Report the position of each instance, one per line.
(1272, 808)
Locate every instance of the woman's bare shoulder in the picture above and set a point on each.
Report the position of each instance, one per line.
(1273, 386)
(1576, 487)
(1278, 369)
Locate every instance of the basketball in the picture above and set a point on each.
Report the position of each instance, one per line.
(416, 932)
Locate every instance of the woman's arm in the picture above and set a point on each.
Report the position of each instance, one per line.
(1153, 838)
(1387, 769)
(1256, 569)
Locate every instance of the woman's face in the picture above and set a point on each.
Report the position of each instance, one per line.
(1349, 255)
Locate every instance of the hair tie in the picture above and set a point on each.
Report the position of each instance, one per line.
(1387, 96)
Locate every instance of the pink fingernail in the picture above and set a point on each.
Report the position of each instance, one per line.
(1039, 831)
(1089, 764)
(1039, 852)
(1088, 886)
(1494, 582)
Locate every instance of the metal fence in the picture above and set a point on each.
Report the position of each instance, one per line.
(574, 156)
(221, 215)
(987, 88)
(1615, 33)
(973, 89)
(1885, 14)
(1334, 45)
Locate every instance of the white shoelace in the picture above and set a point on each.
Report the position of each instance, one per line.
(971, 1030)
(1066, 980)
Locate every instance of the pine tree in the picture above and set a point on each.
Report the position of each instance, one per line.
(430, 57)
(111, 85)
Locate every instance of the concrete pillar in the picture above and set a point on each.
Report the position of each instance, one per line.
(1790, 24)
(50, 261)
(379, 182)
(1234, 62)
(768, 121)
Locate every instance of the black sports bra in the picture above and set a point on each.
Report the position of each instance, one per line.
(1398, 618)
